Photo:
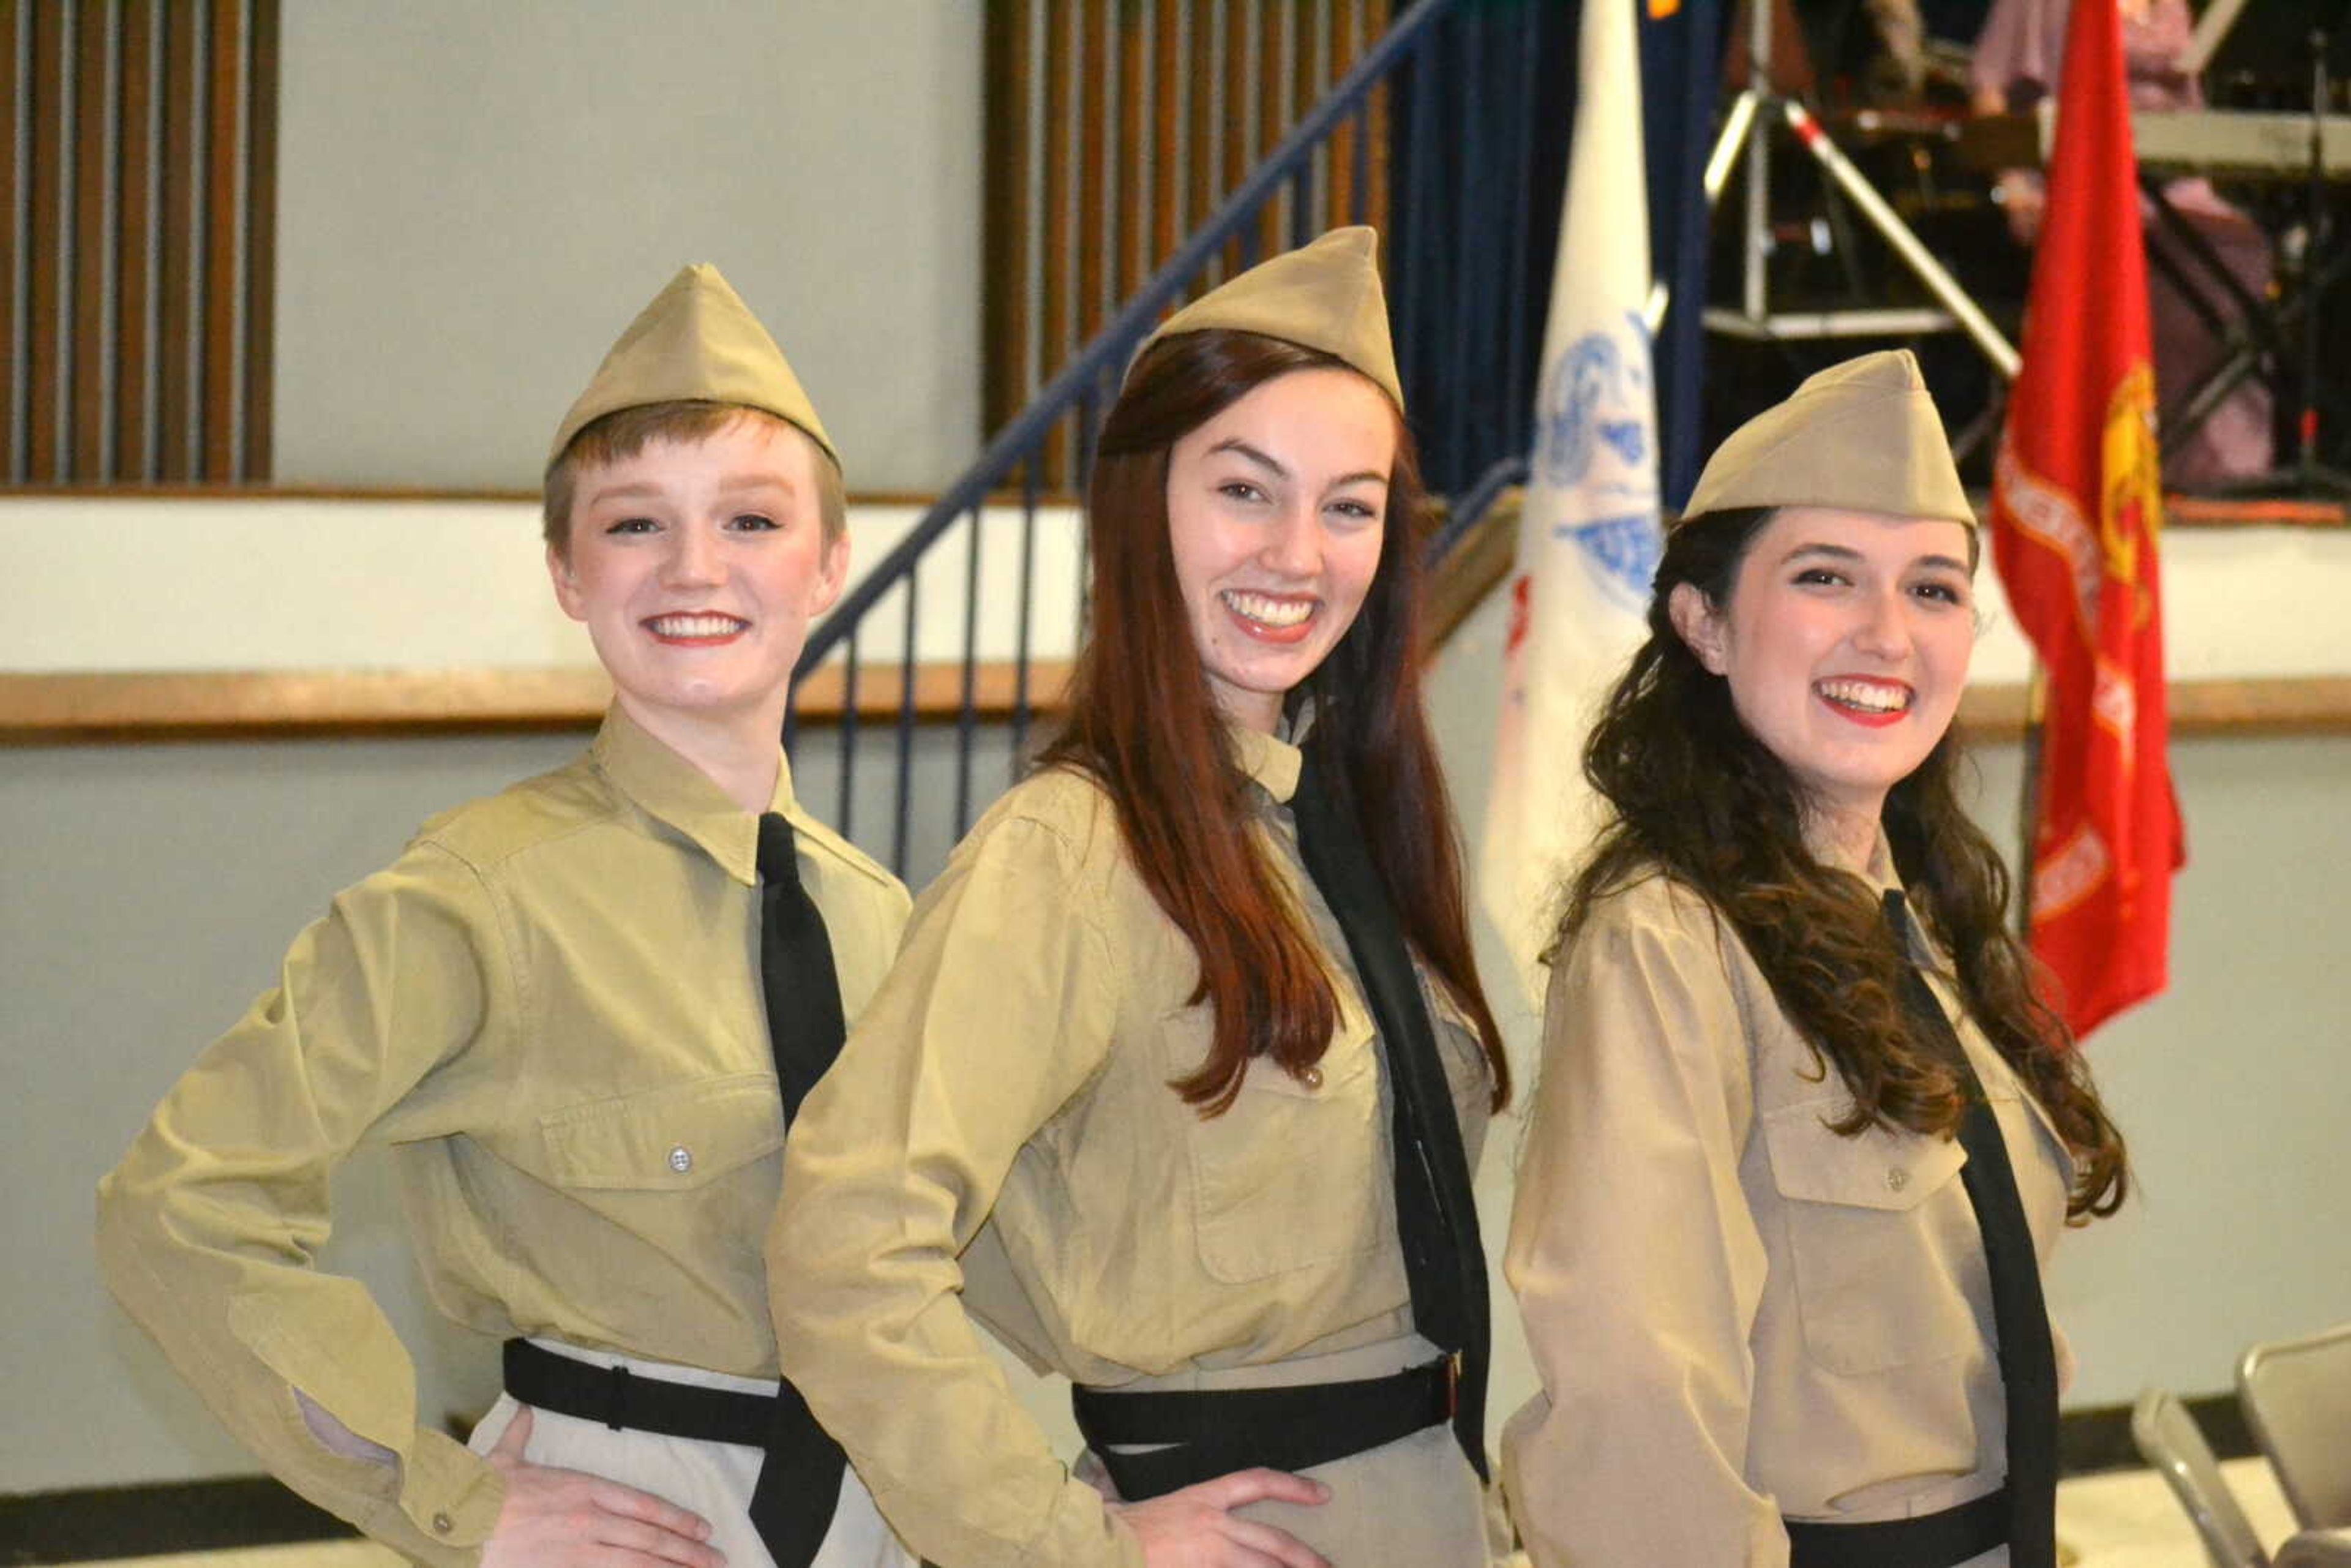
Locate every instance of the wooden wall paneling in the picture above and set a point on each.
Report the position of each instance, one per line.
(44, 242)
(12, 151)
(1131, 174)
(1095, 130)
(1059, 231)
(134, 233)
(1306, 84)
(1167, 148)
(1339, 32)
(175, 260)
(1005, 286)
(1272, 82)
(85, 354)
(1114, 127)
(223, 74)
(1231, 69)
(259, 338)
(1204, 133)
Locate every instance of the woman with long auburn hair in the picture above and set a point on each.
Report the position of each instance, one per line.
(1182, 1069)
(1805, 1131)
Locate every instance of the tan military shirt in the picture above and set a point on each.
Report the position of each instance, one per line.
(1735, 1313)
(1008, 1092)
(549, 1006)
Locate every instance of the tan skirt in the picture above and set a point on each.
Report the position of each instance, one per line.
(714, 1480)
(1412, 1503)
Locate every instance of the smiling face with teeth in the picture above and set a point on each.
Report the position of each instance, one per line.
(1845, 644)
(697, 567)
(1276, 509)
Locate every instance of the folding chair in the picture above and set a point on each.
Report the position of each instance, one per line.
(2169, 1439)
(2317, 1549)
(2297, 1398)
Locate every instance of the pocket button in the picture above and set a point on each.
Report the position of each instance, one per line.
(681, 1159)
(1310, 1076)
(1897, 1179)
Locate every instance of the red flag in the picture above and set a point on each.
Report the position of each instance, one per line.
(2076, 511)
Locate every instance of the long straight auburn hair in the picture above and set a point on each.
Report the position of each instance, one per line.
(1145, 725)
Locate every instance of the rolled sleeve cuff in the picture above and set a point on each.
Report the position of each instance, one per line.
(448, 1503)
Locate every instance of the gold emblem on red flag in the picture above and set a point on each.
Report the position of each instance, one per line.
(2130, 503)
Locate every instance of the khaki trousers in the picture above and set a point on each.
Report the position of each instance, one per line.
(714, 1480)
(1412, 1503)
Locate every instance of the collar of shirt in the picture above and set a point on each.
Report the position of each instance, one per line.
(1883, 879)
(1879, 870)
(673, 791)
(1270, 762)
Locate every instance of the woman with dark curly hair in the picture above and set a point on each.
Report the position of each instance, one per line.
(1805, 1128)
(1182, 1070)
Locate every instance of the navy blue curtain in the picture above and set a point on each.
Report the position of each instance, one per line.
(1479, 129)
(1681, 70)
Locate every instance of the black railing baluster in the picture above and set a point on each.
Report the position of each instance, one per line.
(1091, 411)
(967, 717)
(842, 818)
(906, 672)
(1473, 503)
(1027, 603)
(1301, 210)
(1089, 430)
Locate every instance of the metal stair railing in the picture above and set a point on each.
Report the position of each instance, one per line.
(1082, 392)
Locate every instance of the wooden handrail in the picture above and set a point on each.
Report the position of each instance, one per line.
(47, 709)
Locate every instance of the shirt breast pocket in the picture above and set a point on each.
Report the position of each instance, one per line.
(1881, 1236)
(1291, 1175)
(672, 1139)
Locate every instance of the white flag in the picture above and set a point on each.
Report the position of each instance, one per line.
(1589, 536)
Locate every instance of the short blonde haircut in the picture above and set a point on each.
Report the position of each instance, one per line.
(625, 432)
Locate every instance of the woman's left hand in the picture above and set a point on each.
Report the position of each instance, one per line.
(1194, 1528)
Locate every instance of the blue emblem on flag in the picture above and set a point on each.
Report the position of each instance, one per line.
(1586, 395)
(1624, 551)
(1593, 439)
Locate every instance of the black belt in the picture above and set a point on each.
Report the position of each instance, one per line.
(626, 1402)
(1930, 1541)
(1210, 1432)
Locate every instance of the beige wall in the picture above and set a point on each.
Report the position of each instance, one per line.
(474, 198)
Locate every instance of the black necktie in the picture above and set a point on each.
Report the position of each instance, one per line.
(799, 1480)
(803, 993)
(1437, 1214)
(2020, 1318)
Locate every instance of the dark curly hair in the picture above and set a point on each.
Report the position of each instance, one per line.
(1697, 796)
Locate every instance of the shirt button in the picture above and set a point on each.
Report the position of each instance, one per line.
(442, 1524)
(1310, 1076)
(681, 1159)
(1897, 1179)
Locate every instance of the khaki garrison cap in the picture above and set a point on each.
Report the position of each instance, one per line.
(1324, 296)
(697, 340)
(1861, 436)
